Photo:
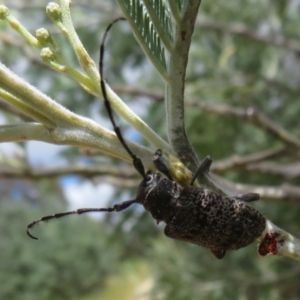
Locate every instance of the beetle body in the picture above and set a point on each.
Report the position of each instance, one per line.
(200, 216)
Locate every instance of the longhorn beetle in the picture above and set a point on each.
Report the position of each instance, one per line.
(192, 214)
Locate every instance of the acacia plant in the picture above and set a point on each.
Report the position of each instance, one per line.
(164, 30)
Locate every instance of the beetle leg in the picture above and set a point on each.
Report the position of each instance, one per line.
(202, 169)
(219, 254)
(161, 165)
(247, 197)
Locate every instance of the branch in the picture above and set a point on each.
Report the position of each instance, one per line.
(285, 171)
(255, 163)
(236, 161)
(81, 170)
(24, 132)
(250, 115)
(69, 128)
(246, 32)
(121, 176)
(9, 40)
(253, 116)
(284, 192)
(174, 95)
(6, 92)
(10, 109)
(276, 241)
(137, 91)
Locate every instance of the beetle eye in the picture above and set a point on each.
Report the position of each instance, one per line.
(149, 178)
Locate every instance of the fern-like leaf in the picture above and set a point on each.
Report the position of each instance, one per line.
(152, 31)
(161, 18)
(180, 5)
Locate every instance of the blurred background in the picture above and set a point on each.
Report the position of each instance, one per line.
(244, 54)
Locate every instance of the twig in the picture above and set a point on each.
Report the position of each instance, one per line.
(174, 99)
(82, 170)
(276, 241)
(137, 91)
(271, 127)
(236, 161)
(256, 163)
(251, 115)
(285, 171)
(246, 32)
(23, 47)
(10, 109)
(254, 116)
(284, 192)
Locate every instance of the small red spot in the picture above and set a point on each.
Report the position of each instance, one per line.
(268, 246)
(23, 137)
(183, 33)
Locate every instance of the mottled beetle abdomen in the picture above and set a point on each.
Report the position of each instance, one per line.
(210, 220)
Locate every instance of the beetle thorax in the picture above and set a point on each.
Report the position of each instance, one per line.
(158, 195)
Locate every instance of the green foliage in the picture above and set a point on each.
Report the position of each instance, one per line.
(70, 259)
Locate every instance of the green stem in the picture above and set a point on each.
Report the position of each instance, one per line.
(29, 38)
(16, 102)
(84, 59)
(175, 87)
(35, 99)
(25, 132)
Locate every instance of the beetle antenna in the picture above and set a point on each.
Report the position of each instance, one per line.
(137, 163)
(117, 207)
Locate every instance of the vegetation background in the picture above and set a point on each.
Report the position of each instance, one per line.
(235, 60)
